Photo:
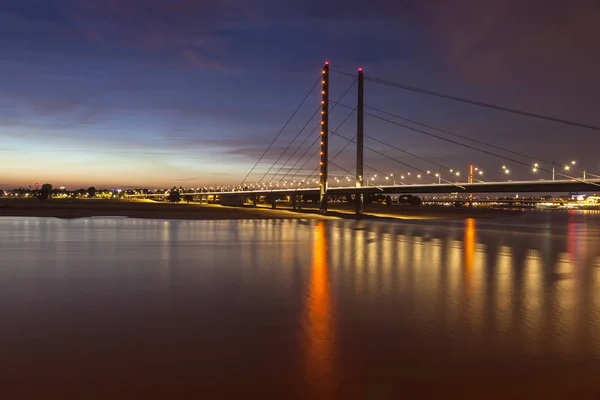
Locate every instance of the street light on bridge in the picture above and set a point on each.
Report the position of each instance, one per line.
(568, 166)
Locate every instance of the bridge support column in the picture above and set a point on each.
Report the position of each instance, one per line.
(293, 200)
(471, 181)
(271, 199)
(324, 140)
(359, 197)
(253, 199)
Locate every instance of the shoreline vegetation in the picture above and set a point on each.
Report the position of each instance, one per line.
(85, 208)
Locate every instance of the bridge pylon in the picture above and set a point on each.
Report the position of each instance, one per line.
(471, 173)
(324, 153)
(359, 197)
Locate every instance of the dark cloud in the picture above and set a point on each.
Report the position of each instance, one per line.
(543, 51)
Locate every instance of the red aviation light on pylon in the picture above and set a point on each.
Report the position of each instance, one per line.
(326, 62)
(360, 70)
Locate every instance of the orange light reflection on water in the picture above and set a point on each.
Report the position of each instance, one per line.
(470, 243)
(319, 328)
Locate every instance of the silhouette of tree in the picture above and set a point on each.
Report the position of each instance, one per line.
(91, 191)
(174, 195)
(45, 191)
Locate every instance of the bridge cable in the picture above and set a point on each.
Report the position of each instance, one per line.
(384, 174)
(284, 126)
(367, 166)
(306, 138)
(339, 152)
(476, 102)
(467, 138)
(318, 138)
(344, 169)
(395, 159)
(443, 138)
(454, 134)
(480, 150)
(289, 145)
(401, 150)
(471, 147)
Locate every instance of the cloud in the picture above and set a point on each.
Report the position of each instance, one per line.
(500, 42)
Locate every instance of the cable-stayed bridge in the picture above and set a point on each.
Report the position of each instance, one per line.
(288, 175)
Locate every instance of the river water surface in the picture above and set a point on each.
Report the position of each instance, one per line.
(109, 308)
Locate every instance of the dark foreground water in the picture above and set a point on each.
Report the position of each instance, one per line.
(145, 309)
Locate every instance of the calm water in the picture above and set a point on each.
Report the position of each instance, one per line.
(124, 308)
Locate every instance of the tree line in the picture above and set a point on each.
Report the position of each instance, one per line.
(46, 191)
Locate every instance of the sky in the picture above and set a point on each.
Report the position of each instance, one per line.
(156, 93)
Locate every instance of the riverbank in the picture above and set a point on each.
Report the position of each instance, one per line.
(83, 208)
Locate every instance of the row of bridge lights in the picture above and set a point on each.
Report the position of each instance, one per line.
(391, 177)
(453, 173)
(536, 167)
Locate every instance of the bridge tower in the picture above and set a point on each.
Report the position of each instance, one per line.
(359, 144)
(324, 160)
(471, 173)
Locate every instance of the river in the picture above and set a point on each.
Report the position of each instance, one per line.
(115, 308)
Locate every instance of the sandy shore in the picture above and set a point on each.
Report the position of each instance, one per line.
(81, 208)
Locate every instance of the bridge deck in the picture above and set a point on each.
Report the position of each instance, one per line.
(542, 186)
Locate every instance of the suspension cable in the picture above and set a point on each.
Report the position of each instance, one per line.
(306, 138)
(475, 102)
(284, 126)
